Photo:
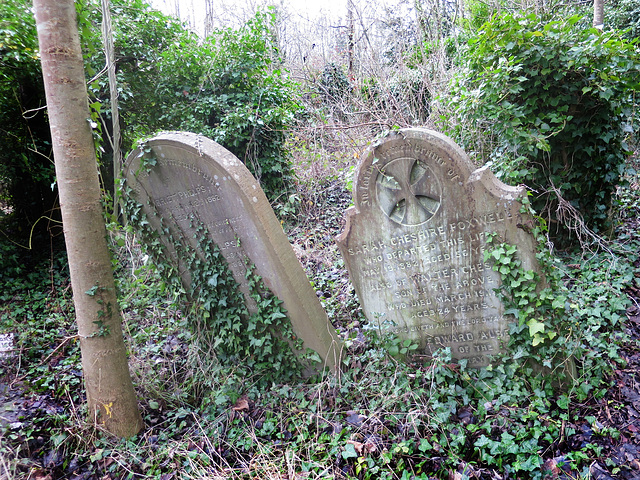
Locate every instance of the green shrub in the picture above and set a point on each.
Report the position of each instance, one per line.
(27, 177)
(334, 84)
(548, 105)
(253, 101)
(231, 89)
(228, 87)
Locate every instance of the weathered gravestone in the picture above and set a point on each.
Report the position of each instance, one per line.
(414, 243)
(187, 185)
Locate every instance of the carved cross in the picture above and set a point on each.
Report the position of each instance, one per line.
(407, 191)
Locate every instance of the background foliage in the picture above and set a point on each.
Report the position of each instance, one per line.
(624, 15)
(549, 104)
(229, 87)
(26, 162)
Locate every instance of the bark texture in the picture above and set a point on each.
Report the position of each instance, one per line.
(598, 14)
(110, 394)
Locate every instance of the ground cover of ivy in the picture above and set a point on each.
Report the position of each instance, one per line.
(379, 418)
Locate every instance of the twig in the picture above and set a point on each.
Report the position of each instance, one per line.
(349, 127)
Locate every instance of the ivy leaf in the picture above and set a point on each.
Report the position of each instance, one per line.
(349, 451)
(563, 402)
(425, 445)
(535, 327)
(559, 302)
(512, 311)
(313, 356)
(483, 441)
(277, 314)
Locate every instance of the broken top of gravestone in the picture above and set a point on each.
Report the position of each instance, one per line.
(414, 244)
(194, 183)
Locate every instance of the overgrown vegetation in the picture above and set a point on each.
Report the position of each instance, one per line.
(381, 418)
(229, 87)
(624, 15)
(547, 103)
(26, 169)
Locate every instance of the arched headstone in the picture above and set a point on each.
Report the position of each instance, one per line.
(192, 181)
(414, 243)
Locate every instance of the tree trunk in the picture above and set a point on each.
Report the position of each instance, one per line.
(350, 34)
(110, 395)
(598, 14)
(109, 55)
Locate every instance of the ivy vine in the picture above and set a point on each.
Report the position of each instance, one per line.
(536, 299)
(548, 104)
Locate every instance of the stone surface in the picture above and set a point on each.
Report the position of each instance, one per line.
(414, 244)
(195, 180)
(7, 345)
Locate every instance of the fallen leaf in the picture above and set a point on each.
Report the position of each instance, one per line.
(370, 447)
(355, 418)
(241, 404)
(39, 475)
(551, 468)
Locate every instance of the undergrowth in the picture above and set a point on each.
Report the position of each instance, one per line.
(382, 416)
(542, 411)
(379, 418)
(254, 337)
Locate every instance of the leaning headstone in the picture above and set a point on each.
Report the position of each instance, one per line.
(414, 244)
(187, 186)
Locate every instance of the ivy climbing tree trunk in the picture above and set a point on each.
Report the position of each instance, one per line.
(110, 395)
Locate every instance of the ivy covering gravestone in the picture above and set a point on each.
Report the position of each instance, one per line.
(416, 244)
(207, 223)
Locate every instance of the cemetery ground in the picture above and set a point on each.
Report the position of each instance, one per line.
(379, 417)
